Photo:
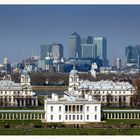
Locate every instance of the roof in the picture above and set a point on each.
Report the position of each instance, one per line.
(105, 85)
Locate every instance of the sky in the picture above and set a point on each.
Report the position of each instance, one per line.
(23, 28)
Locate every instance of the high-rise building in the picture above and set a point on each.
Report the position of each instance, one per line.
(74, 45)
(57, 51)
(118, 63)
(101, 45)
(7, 64)
(88, 48)
(44, 51)
(132, 55)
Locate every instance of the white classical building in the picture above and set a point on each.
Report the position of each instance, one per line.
(72, 109)
(107, 92)
(17, 94)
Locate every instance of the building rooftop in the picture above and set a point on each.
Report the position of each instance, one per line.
(105, 85)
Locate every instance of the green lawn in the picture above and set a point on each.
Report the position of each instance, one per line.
(19, 122)
(70, 131)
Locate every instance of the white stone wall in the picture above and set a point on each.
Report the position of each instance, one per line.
(72, 116)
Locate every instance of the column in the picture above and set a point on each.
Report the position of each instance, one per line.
(134, 115)
(2, 116)
(131, 116)
(16, 116)
(34, 115)
(6, 116)
(15, 102)
(137, 115)
(107, 115)
(114, 115)
(124, 115)
(9, 116)
(23, 116)
(110, 115)
(32, 102)
(20, 103)
(20, 116)
(121, 115)
(38, 116)
(31, 116)
(36, 102)
(117, 115)
(24, 102)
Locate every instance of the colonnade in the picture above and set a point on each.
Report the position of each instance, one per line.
(22, 116)
(121, 115)
(73, 108)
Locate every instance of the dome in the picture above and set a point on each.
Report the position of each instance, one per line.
(25, 72)
(73, 71)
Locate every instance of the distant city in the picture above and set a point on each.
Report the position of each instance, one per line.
(83, 52)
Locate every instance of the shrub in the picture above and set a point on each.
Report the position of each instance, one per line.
(6, 126)
(37, 126)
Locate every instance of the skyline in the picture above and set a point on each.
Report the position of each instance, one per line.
(25, 28)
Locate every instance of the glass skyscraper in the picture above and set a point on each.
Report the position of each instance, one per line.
(74, 45)
(101, 45)
(88, 48)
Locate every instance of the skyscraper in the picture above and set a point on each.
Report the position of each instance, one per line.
(118, 63)
(88, 48)
(44, 51)
(74, 45)
(57, 51)
(101, 45)
(132, 55)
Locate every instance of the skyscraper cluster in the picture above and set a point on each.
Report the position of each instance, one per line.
(88, 47)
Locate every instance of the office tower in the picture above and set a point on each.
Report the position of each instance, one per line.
(118, 63)
(45, 50)
(74, 45)
(57, 51)
(138, 55)
(7, 64)
(131, 55)
(101, 46)
(88, 48)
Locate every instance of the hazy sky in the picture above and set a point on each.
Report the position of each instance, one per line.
(25, 28)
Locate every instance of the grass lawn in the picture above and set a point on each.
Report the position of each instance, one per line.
(127, 121)
(19, 122)
(70, 131)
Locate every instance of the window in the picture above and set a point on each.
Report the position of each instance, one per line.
(87, 117)
(66, 117)
(69, 117)
(66, 108)
(87, 108)
(81, 117)
(77, 117)
(59, 117)
(95, 108)
(51, 108)
(95, 117)
(73, 117)
(51, 117)
(59, 108)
